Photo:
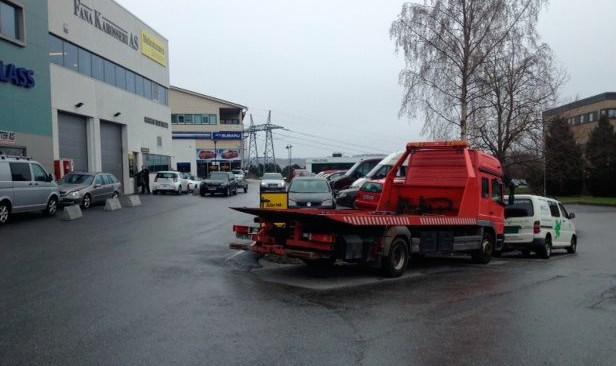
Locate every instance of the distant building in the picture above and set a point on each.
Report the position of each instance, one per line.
(207, 132)
(583, 115)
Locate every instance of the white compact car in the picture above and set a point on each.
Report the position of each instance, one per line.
(539, 224)
(273, 182)
(169, 182)
(191, 182)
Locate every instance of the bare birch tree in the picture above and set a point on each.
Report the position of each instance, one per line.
(520, 81)
(445, 45)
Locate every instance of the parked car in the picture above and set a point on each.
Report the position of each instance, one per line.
(25, 186)
(86, 189)
(239, 174)
(169, 181)
(539, 224)
(191, 182)
(310, 192)
(359, 170)
(301, 173)
(381, 170)
(219, 182)
(368, 195)
(273, 182)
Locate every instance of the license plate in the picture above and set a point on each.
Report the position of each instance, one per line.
(512, 229)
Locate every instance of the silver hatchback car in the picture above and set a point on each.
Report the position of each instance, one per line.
(86, 189)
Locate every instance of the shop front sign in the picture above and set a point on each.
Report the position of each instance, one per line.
(7, 137)
(18, 76)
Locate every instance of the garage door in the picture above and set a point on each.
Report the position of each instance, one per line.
(72, 131)
(111, 149)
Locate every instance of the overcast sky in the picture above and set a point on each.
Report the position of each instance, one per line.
(328, 67)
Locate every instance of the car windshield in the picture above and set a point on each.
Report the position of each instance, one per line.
(520, 208)
(272, 176)
(85, 179)
(219, 176)
(309, 186)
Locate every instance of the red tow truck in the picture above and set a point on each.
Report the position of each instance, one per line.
(451, 201)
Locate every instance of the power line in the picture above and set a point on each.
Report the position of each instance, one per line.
(335, 140)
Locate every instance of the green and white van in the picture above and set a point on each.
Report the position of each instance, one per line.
(539, 224)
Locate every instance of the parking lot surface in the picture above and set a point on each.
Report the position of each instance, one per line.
(152, 286)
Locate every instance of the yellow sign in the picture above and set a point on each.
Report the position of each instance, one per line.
(277, 200)
(153, 48)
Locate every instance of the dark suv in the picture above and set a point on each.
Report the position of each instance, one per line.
(219, 182)
(359, 170)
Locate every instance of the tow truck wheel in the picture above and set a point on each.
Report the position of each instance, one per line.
(573, 248)
(546, 250)
(395, 263)
(484, 254)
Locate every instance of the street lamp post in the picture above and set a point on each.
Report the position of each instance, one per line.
(290, 149)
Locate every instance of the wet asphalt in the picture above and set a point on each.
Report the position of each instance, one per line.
(152, 286)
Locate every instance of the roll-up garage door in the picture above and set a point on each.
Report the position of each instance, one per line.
(72, 131)
(111, 149)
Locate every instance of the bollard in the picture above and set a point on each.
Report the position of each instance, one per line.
(112, 204)
(70, 213)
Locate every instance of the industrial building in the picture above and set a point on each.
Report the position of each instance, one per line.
(207, 132)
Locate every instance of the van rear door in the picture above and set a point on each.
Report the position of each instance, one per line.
(6, 183)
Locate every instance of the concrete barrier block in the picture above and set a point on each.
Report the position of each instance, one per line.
(132, 200)
(70, 213)
(112, 204)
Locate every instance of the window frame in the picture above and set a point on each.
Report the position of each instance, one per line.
(485, 188)
(19, 163)
(552, 205)
(20, 23)
(35, 178)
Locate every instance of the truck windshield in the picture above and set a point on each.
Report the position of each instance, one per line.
(520, 208)
(309, 186)
(78, 179)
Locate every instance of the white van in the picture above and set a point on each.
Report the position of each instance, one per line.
(25, 186)
(381, 169)
(539, 224)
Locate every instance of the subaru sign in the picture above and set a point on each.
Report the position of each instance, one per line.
(228, 135)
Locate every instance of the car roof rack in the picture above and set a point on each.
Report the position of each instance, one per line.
(16, 157)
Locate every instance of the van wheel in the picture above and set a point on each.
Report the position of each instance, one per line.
(395, 263)
(546, 251)
(573, 248)
(5, 212)
(52, 207)
(484, 254)
(86, 202)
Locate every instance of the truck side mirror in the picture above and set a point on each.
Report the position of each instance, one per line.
(571, 215)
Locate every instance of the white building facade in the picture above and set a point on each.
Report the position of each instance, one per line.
(109, 89)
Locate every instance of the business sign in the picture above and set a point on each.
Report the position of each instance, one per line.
(104, 24)
(153, 48)
(7, 137)
(18, 76)
(227, 135)
(224, 155)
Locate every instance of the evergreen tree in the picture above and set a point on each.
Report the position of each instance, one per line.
(601, 159)
(564, 160)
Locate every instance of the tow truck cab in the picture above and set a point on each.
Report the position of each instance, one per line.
(450, 201)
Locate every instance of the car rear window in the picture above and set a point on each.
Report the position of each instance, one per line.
(520, 208)
(166, 175)
(219, 176)
(309, 186)
(372, 187)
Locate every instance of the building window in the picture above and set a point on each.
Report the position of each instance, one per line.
(98, 68)
(109, 72)
(12, 22)
(229, 121)
(56, 50)
(147, 89)
(130, 82)
(156, 163)
(85, 62)
(139, 85)
(120, 77)
(611, 113)
(71, 59)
